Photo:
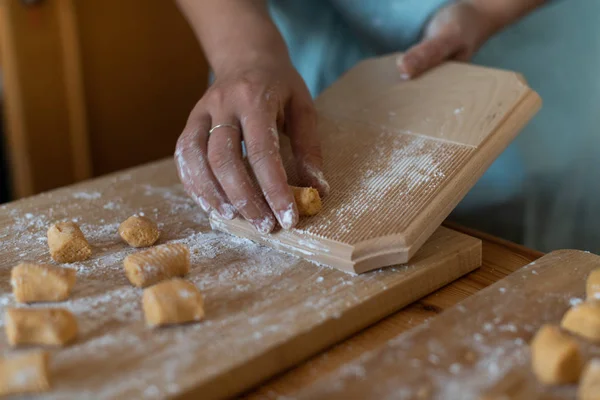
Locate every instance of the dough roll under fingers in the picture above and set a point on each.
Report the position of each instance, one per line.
(41, 283)
(139, 231)
(151, 266)
(307, 200)
(44, 326)
(555, 356)
(67, 243)
(584, 320)
(172, 302)
(589, 387)
(24, 373)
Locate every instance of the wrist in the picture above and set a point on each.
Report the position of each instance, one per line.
(248, 56)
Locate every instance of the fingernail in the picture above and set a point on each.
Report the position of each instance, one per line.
(404, 76)
(227, 211)
(203, 203)
(264, 225)
(287, 217)
(318, 177)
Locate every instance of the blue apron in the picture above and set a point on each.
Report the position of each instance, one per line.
(327, 37)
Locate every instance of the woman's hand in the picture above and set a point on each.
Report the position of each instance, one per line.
(251, 101)
(457, 31)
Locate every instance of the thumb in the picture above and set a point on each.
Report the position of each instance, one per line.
(428, 54)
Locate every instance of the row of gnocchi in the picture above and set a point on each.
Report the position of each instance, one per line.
(555, 355)
(166, 298)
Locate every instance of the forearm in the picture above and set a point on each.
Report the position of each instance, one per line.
(506, 12)
(234, 32)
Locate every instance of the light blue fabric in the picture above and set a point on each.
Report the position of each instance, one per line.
(327, 37)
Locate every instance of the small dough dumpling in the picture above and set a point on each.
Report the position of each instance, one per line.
(307, 200)
(172, 302)
(593, 285)
(584, 320)
(41, 283)
(67, 243)
(24, 373)
(40, 326)
(139, 231)
(555, 356)
(589, 386)
(151, 266)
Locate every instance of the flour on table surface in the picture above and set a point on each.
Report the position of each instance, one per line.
(241, 283)
(469, 348)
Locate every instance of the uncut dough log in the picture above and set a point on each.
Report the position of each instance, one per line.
(44, 326)
(593, 285)
(584, 320)
(555, 357)
(589, 386)
(151, 266)
(67, 243)
(41, 283)
(308, 201)
(172, 302)
(24, 373)
(138, 231)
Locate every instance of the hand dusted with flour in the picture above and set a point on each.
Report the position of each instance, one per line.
(251, 100)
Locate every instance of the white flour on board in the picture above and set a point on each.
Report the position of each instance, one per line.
(229, 271)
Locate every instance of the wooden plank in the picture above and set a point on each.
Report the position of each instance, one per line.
(500, 258)
(108, 94)
(143, 72)
(74, 91)
(411, 151)
(266, 310)
(479, 347)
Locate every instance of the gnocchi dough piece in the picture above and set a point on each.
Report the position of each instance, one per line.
(151, 266)
(308, 201)
(38, 282)
(67, 243)
(172, 302)
(555, 356)
(584, 320)
(138, 231)
(43, 326)
(589, 386)
(593, 285)
(24, 373)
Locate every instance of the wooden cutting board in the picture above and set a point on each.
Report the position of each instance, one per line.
(265, 310)
(476, 349)
(399, 157)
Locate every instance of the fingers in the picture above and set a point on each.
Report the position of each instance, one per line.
(306, 146)
(225, 158)
(428, 54)
(262, 145)
(193, 168)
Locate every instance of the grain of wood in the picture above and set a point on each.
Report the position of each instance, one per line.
(496, 325)
(500, 258)
(266, 311)
(411, 151)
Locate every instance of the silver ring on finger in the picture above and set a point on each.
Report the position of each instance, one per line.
(214, 128)
(232, 126)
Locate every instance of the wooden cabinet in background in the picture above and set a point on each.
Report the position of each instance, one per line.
(93, 86)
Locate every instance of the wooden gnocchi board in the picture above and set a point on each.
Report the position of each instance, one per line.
(265, 310)
(478, 349)
(399, 156)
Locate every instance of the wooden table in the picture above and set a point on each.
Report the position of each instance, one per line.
(500, 258)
